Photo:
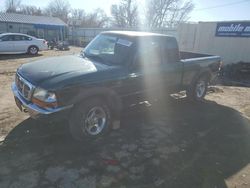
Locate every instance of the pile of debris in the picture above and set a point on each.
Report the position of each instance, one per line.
(236, 74)
(60, 45)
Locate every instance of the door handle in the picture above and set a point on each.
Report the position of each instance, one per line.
(134, 75)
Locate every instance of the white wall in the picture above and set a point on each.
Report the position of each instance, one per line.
(81, 35)
(186, 36)
(201, 38)
(194, 37)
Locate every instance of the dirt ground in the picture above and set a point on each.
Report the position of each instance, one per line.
(172, 144)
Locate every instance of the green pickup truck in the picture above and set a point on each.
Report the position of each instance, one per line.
(116, 68)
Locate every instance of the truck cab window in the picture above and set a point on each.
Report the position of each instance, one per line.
(148, 54)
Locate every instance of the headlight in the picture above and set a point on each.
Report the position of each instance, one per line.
(44, 95)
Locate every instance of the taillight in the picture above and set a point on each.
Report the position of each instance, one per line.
(220, 65)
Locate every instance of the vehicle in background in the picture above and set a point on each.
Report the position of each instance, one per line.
(116, 69)
(63, 45)
(60, 45)
(52, 44)
(17, 43)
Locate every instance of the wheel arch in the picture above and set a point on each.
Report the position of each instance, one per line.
(32, 45)
(205, 72)
(109, 95)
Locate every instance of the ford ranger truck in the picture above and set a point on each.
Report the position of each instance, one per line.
(117, 67)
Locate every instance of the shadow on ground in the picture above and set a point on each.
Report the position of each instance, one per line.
(176, 144)
(17, 56)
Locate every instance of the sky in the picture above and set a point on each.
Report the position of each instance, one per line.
(205, 10)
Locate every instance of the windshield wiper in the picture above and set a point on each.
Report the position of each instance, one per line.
(97, 58)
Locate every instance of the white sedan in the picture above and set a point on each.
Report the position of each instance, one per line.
(17, 43)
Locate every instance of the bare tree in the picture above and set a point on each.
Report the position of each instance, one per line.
(30, 10)
(12, 6)
(163, 13)
(97, 18)
(58, 8)
(77, 14)
(125, 14)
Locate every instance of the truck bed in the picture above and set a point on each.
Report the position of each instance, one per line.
(191, 55)
(193, 63)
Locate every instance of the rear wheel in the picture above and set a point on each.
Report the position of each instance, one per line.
(90, 119)
(198, 89)
(33, 50)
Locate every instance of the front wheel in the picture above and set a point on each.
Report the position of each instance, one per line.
(198, 89)
(90, 119)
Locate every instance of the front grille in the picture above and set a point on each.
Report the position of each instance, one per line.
(25, 89)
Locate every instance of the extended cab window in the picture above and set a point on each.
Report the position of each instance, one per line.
(148, 54)
(169, 51)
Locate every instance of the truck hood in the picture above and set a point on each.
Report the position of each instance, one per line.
(44, 72)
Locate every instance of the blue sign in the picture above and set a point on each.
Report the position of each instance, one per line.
(233, 29)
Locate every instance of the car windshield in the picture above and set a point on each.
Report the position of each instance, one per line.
(108, 49)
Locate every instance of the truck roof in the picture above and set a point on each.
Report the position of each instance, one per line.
(135, 33)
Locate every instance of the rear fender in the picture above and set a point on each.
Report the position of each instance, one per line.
(206, 72)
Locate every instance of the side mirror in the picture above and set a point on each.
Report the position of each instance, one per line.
(82, 52)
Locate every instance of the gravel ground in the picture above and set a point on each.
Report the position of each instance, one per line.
(173, 143)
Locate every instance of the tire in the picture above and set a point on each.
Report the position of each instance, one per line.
(198, 89)
(33, 50)
(83, 124)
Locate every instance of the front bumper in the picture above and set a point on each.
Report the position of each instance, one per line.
(34, 110)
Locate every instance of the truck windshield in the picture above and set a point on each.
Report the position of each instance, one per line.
(108, 49)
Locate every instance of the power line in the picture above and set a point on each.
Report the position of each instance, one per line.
(223, 5)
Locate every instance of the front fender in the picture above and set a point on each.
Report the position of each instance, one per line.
(76, 96)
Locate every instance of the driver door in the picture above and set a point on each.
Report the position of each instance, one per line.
(146, 77)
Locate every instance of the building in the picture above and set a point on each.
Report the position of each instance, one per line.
(39, 26)
(228, 39)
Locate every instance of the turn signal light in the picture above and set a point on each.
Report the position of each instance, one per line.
(44, 104)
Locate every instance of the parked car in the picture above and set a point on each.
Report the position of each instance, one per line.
(116, 68)
(16, 43)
